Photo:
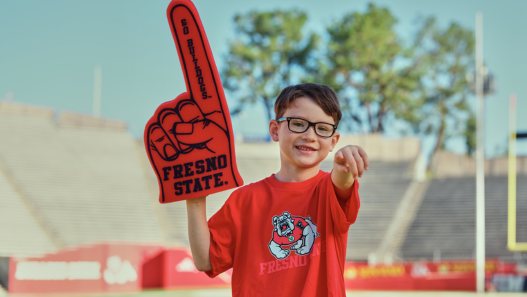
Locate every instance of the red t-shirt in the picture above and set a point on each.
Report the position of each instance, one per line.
(284, 238)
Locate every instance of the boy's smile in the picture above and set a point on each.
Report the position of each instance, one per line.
(301, 153)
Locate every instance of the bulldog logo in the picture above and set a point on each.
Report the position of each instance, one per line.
(292, 233)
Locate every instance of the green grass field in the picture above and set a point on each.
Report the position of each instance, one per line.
(227, 293)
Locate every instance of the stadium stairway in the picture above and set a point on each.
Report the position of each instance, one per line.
(445, 222)
(84, 180)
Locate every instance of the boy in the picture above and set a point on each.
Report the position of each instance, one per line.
(286, 235)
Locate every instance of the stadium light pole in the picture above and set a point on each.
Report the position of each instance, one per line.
(480, 161)
(97, 90)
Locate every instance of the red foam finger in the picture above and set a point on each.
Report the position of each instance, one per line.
(199, 69)
(189, 140)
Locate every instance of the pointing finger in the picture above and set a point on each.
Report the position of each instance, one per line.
(200, 72)
(359, 161)
(364, 156)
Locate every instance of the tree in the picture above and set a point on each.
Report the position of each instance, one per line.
(367, 61)
(448, 54)
(270, 52)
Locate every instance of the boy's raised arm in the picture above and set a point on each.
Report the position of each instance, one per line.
(348, 165)
(198, 233)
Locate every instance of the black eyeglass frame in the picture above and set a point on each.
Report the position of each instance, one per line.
(309, 124)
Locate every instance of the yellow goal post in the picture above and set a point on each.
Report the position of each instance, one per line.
(512, 244)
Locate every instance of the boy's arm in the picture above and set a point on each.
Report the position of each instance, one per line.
(198, 233)
(348, 165)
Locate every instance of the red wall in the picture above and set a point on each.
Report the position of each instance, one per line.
(444, 276)
(84, 269)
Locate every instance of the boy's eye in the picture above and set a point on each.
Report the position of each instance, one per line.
(298, 123)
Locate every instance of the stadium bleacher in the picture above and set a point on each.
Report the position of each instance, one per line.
(85, 181)
(445, 223)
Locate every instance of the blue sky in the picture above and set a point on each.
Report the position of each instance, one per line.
(48, 50)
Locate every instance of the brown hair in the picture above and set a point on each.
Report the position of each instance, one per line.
(323, 96)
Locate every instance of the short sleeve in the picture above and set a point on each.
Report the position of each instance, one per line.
(222, 240)
(343, 211)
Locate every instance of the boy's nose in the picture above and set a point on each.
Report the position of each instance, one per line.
(309, 134)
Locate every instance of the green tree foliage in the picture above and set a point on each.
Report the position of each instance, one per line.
(270, 52)
(448, 55)
(379, 76)
(469, 134)
(366, 60)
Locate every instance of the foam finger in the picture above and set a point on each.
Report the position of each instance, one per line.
(200, 72)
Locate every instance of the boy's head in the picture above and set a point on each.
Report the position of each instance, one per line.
(322, 95)
(305, 125)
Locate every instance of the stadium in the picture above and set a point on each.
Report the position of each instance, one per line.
(79, 190)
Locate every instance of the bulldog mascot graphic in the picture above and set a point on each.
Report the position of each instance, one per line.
(292, 233)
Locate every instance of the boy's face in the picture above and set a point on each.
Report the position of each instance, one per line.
(307, 149)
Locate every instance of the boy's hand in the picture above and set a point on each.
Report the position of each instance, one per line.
(351, 160)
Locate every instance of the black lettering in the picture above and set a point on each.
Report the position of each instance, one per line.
(185, 30)
(187, 185)
(222, 161)
(204, 95)
(199, 167)
(189, 42)
(196, 64)
(188, 170)
(184, 22)
(206, 179)
(165, 171)
(202, 88)
(177, 171)
(178, 188)
(198, 72)
(217, 181)
(194, 59)
(191, 48)
(200, 80)
(197, 186)
(211, 164)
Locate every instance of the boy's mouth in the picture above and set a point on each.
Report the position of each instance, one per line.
(304, 148)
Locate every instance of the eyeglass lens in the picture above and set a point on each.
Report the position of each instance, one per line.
(300, 126)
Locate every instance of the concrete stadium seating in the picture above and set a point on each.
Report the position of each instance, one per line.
(20, 233)
(381, 190)
(85, 181)
(445, 222)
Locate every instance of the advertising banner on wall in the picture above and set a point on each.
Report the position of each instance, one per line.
(422, 275)
(84, 269)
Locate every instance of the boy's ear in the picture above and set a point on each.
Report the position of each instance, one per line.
(273, 130)
(334, 139)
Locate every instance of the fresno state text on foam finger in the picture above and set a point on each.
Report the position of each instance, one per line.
(189, 140)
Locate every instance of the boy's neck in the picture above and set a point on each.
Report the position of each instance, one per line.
(295, 174)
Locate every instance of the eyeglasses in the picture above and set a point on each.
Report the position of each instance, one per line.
(300, 126)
